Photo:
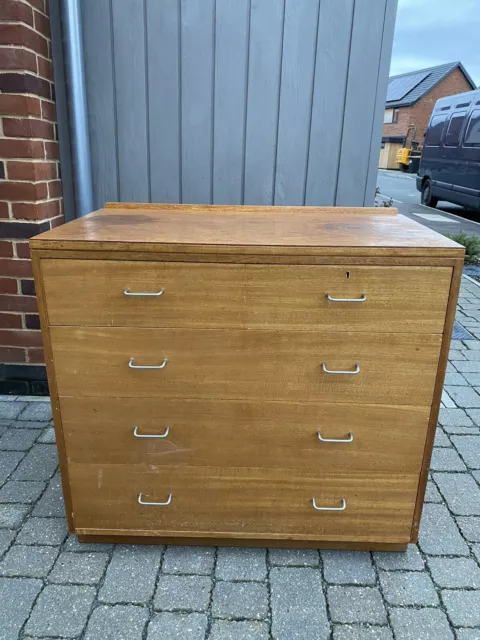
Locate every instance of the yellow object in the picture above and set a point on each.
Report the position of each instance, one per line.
(403, 156)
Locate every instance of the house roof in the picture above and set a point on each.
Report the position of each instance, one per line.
(418, 83)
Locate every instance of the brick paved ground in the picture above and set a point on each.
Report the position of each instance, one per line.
(53, 587)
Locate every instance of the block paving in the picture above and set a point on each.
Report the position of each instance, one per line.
(52, 586)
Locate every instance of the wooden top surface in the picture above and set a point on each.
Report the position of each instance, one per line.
(235, 229)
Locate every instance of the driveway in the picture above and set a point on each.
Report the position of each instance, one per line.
(445, 218)
(52, 586)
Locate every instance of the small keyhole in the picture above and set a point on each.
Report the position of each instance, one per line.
(348, 274)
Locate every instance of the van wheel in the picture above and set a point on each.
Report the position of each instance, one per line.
(427, 198)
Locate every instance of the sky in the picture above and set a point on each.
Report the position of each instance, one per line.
(431, 32)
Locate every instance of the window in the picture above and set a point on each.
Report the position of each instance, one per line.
(435, 130)
(472, 136)
(452, 137)
(390, 116)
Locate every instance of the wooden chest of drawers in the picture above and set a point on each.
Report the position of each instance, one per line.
(246, 375)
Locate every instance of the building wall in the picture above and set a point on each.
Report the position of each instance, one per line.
(419, 113)
(30, 186)
(235, 101)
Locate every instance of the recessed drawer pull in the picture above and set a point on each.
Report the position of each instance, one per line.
(343, 373)
(147, 366)
(145, 295)
(341, 508)
(362, 299)
(154, 504)
(349, 439)
(139, 435)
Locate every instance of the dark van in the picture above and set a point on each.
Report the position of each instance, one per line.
(450, 163)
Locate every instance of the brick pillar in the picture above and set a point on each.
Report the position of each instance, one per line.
(30, 188)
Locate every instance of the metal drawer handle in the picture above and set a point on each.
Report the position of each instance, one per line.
(344, 373)
(146, 295)
(145, 366)
(154, 504)
(362, 299)
(139, 435)
(341, 508)
(349, 439)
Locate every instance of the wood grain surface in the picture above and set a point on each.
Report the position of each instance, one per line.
(246, 296)
(265, 503)
(263, 365)
(240, 434)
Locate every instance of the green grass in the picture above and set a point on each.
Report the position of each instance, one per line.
(471, 244)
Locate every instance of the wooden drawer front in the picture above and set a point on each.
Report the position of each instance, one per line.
(91, 293)
(216, 364)
(233, 502)
(238, 434)
(398, 299)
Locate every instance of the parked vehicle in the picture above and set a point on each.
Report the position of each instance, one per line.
(450, 163)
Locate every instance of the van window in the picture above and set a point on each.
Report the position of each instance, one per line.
(452, 137)
(435, 130)
(472, 137)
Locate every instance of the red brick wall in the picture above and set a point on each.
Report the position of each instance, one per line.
(419, 113)
(30, 188)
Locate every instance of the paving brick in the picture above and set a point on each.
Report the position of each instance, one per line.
(131, 575)
(356, 604)
(464, 397)
(3, 427)
(72, 544)
(30, 424)
(79, 568)
(239, 630)
(238, 563)
(299, 610)
(348, 567)
(40, 463)
(470, 527)
(11, 410)
(455, 379)
(17, 596)
(6, 539)
(23, 492)
(454, 418)
(18, 439)
(8, 462)
(190, 560)
(183, 593)
(240, 600)
(5, 398)
(469, 449)
(61, 611)
(446, 460)
(432, 494)
(410, 560)
(36, 412)
(476, 551)
(463, 607)
(177, 626)
(51, 504)
(28, 562)
(12, 515)
(439, 534)
(455, 572)
(441, 439)
(354, 632)
(420, 624)
(120, 622)
(467, 431)
(455, 355)
(460, 491)
(43, 531)
(48, 436)
(407, 588)
(467, 634)
(294, 557)
(467, 366)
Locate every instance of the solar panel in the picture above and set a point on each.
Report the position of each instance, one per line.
(399, 87)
